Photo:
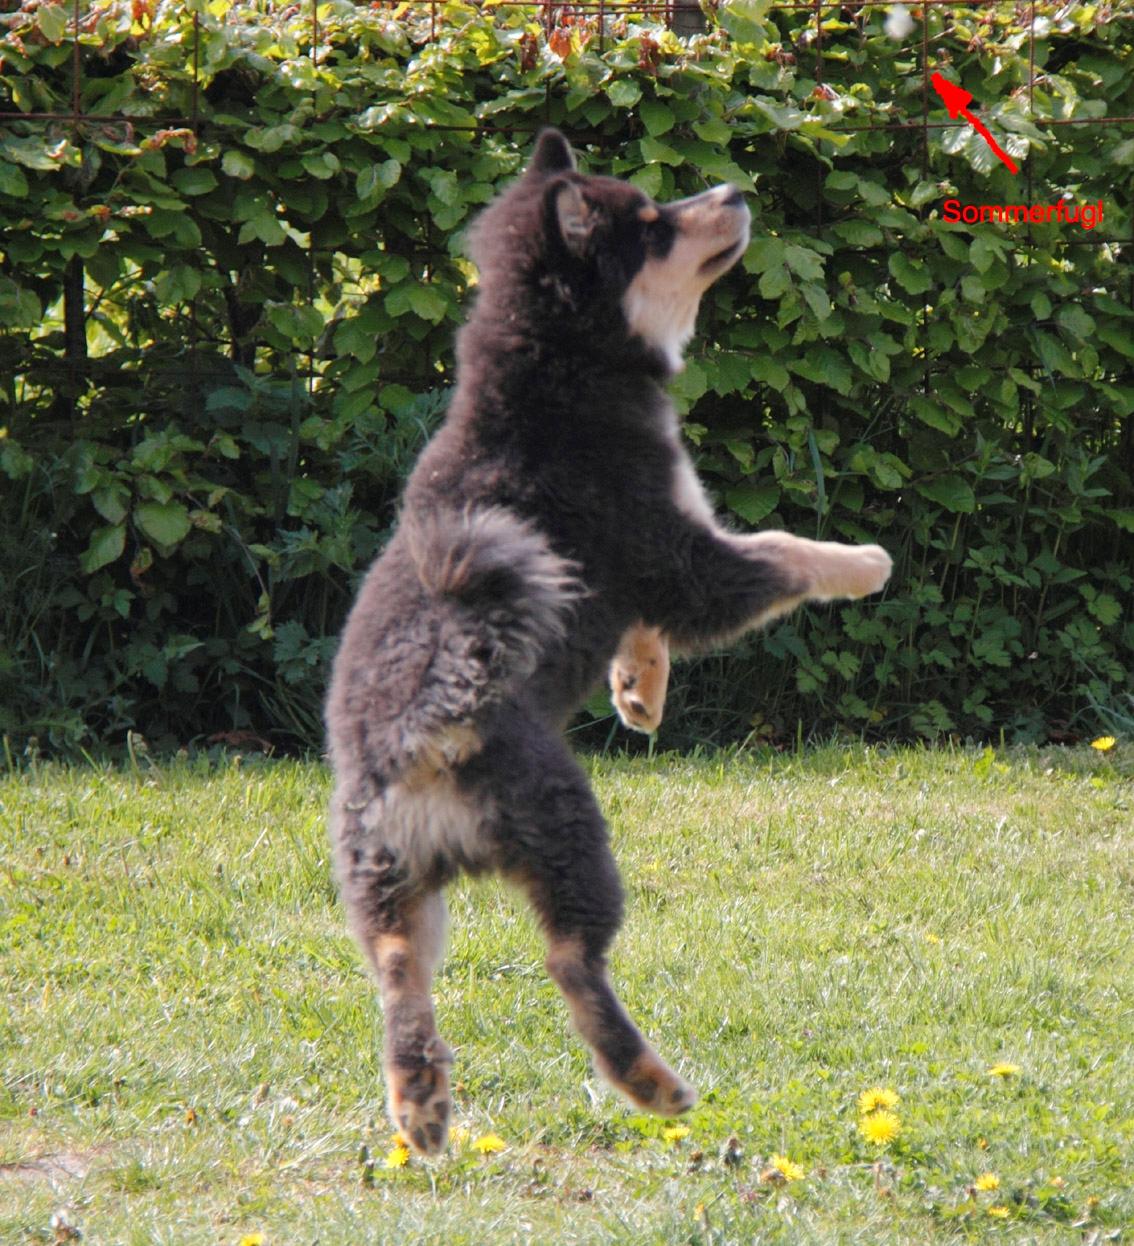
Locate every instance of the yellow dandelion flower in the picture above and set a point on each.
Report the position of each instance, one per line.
(1001, 1213)
(489, 1144)
(987, 1181)
(1004, 1069)
(1104, 743)
(880, 1127)
(674, 1133)
(788, 1169)
(397, 1157)
(877, 1097)
(252, 1239)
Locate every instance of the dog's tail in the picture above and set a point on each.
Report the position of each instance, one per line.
(512, 594)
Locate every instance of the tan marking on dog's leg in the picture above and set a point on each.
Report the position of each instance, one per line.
(639, 677)
(622, 1055)
(417, 1059)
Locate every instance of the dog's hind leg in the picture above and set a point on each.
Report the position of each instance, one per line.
(622, 1055)
(417, 1059)
(404, 938)
(556, 848)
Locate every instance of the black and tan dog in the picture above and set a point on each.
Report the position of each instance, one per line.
(554, 509)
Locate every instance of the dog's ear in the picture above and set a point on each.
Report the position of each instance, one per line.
(570, 216)
(552, 154)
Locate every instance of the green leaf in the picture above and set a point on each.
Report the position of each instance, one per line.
(624, 93)
(774, 283)
(1074, 320)
(298, 324)
(1119, 337)
(238, 164)
(803, 261)
(657, 152)
(165, 523)
(819, 302)
(110, 502)
(872, 362)
(194, 181)
(825, 366)
(657, 117)
(12, 180)
(909, 274)
(106, 545)
(264, 226)
(1054, 355)
(19, 308)
(428, 302)
(952, 491)
(764, 253)
(859, 233)
(322, 166)
(753, 502)
(768, 370)
(15, 462)
(356, 337)
(983, 253)
(52, 22)
(1105, 608)
(1041, 305)
(744, 19)
(178, 285)
(713, 130)
(649, 179)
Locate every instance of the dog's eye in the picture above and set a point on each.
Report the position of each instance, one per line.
(659, 235)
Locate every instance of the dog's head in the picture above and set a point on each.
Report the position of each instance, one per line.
(601, 246)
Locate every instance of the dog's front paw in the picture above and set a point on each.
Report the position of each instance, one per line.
(639, 676)
(850, 570)
(870, 569)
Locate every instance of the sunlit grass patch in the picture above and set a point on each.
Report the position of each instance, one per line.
(189, 1043)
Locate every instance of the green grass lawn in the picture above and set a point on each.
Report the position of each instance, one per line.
(188, 1041)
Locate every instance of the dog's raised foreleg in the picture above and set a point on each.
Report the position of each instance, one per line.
(820, 570)
(722, 584)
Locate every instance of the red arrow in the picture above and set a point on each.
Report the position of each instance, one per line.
(956, 101)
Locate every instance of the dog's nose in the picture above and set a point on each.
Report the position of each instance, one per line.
(731, 197)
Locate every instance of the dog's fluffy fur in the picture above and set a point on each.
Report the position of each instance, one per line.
(554, 509)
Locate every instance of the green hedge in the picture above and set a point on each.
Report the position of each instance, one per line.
(224, 337)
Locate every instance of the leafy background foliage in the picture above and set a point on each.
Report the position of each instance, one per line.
(261, 223)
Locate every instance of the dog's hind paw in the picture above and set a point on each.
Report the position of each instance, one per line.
(420, 1102)
(652, 1085)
